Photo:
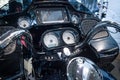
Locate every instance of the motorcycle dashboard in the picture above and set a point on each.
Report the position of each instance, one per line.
(51, 15)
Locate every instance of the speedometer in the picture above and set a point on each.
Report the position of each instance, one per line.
(50, 40)
(69, 37)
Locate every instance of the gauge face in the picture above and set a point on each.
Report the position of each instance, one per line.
(50, 40)
(68, 37)
(24, 23)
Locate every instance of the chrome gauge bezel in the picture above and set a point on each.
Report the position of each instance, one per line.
(59, 33)
(26, 24)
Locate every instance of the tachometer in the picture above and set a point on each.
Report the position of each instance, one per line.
(69, 37)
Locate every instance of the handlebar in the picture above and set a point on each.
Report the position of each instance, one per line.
(100, 26)
(10, 36)
(96, 29)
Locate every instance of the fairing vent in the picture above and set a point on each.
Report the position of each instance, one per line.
(87, 25)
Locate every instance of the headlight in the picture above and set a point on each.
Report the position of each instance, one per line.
(24, 22)
(81, 68)
(69, 37)
(50, 40)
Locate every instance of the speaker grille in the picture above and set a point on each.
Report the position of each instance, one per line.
(87, 25)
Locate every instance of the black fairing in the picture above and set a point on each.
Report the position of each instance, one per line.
(49, 66)
(105, 48)
(11, 64)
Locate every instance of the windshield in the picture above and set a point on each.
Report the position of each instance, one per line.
(89, 6)
(16, 6)
(3, 2)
